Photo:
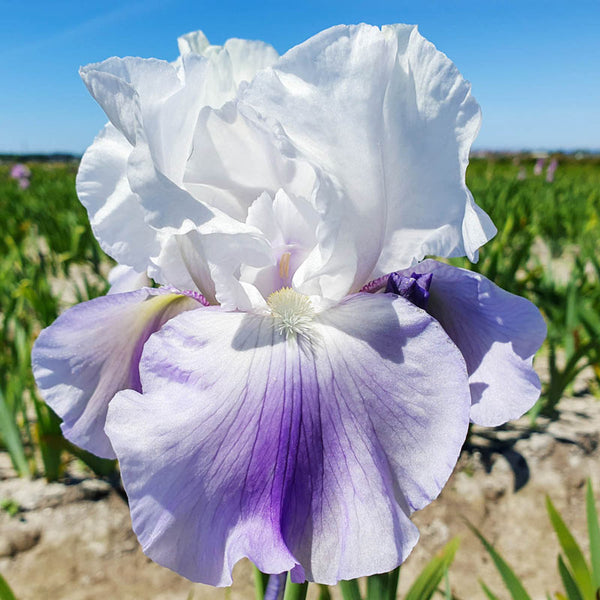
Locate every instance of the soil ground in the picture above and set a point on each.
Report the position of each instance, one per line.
(73, 540)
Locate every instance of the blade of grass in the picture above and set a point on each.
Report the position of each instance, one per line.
(594, 533)
(570, 547)
(511, 581)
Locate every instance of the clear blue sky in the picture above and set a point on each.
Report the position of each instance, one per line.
(534, 66)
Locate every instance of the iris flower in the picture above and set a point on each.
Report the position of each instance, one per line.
(302, 380)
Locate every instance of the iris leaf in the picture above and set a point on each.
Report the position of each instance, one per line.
(511, 581)
(571, 587)
(488, 592)
(427, 582)
(594, 534)
(570, 547)
(12, 439)
(5, 592)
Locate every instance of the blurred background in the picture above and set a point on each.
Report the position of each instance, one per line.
(534, 65)
(535, 168)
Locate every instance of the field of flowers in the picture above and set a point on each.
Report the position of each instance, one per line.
(547, 249)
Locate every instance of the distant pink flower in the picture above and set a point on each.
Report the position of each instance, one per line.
(539, 166)
(22, 174)
(551, 170)
(20, 171)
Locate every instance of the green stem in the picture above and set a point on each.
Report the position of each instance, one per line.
(393, 579)
(350, 590)
(260, 583)
(377, 586)
(295, 591)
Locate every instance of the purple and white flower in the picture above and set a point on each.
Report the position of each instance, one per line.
(303, 380)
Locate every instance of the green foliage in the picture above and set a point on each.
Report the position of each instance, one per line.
(49, 259)
(580, 580)
(547, 250)
(383, 586)
(511, 581)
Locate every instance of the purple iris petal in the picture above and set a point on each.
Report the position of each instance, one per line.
(300, 456)
(497, 332)
(92, 351)
(414, 288)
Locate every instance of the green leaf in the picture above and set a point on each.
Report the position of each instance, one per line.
(5, 592)
(571, 587)
(12, 439)
(350, 589)
(428, 580)
(511, 581)
(594, 534)
(570, 547)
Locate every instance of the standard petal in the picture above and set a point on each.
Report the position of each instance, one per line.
(115, 213)
(303, 456)
(92, 351)
(497, 332)
(130, 88)
(390, 120)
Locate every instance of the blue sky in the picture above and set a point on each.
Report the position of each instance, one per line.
(534, 66)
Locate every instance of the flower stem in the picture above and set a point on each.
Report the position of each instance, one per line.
(377, 586)
(295, 591)
(260, 583)
(350, 589)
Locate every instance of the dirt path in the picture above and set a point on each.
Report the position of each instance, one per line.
(73, 541)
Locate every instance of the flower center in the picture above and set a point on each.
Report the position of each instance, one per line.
(284, 265)
(292, 312)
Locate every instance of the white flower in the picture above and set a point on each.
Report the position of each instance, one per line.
(298, 386)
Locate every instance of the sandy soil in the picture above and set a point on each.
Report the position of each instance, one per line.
(73, 541)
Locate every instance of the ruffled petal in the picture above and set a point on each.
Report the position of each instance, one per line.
(237, 156)
(116, 216)
(299, 455)
(390, 120)
(238, 59)
(92, 351)
(498, 334)
(130, 88)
